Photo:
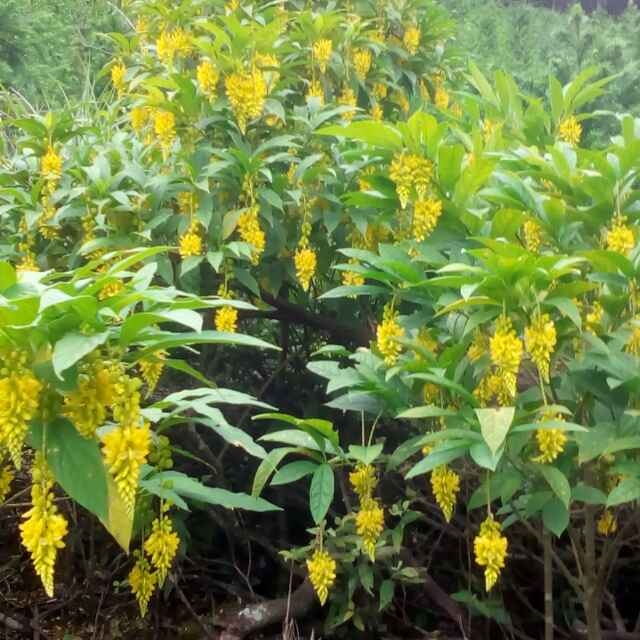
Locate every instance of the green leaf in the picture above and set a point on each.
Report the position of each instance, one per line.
(557, 481)
(321, 492)
(133, 325)
(484, 457)
(435, 459)
(555, 516)
(267, 467)
(373, 133)
(494, 425)
(293, 471)
(626, 491)
(73, 347)
(366, 455)
(193, 489)
(589, 495)
(387, 589)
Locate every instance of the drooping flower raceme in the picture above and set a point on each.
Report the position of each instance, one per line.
(490, 548)
(143, 581)
(370, 525)
(388, 334)
(322, 573)
(162, 545)
(445, 484)
(540, 339)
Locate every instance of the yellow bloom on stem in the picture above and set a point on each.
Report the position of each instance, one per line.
(6, 478)
(162, 546)
(28, 262)
(143, 582)
(322, 573)
(19, 400)
(187, 203)
(348, 99)
(532, 236)
(593, 318)
(445, 484)
(315, 91)
(490, 548)
(151, 368)
(226, 319)
(551, 443)
(171, 44)
(208, 77)
(246, 92)
(43, 528)
(51, 165)
(377, 113)
(125, 450)
(426, 214)
(362, 60)
(352, 278)
(84, 406)
(322, 50)
(191, 241)
(411, 39)
(364, 481)
(370, 525)
(388, 334)
(408, 171)
(118, 74)
(441, 98)
(139, 118)
(620, 238)
(540, 339)
(479, 346)
(494, 385)
(164, 126)
(269, 64)
(633, 343)
(305, 260)
(252, 233)
(380, 91)
(570, 130)
(607, 524)
(506, 349)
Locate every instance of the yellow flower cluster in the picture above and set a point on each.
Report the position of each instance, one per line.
(593, 318)
(506, 349)
(411, 39)
(151, 368)
(442, 98)
(6, 478)
(379, 91)
(362, 62)
(551, 442)
(377, 113)
(51, 166)
(85, 406)
(19, 399)
(479, 346)
(494, 385)
(570, 130)
(139, 117)
(540, 339)
(532, 236)
(172, 44)
(191, 241)
(164, 126)
(352, 278)
(410, 171)
(187, 203)
(305, 262)
(364, 481)
(490, 548)
(322, 573)
(315, 91)
(162, 545)
(426, 214)
(44, 528)
(269, 64)
(118, 75)
(607, 524)
(370, 525)
(142, 581)
(633, 342)
(620, 238)
(322, 50)
(207, 76)
(445, 484)
(388, 335)
(246, 92)
(348, 99)
(226, 319)
(252, 233)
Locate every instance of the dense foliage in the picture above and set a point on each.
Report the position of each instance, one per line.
(439, 248)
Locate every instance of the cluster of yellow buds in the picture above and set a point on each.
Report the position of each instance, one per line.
(570, 131)
(506, 350)
(352, 278)
(164, 126)
(445, 484)
(620, 238)
(44, 528)
(410, 171)
(305, 258)
(118, 77)
(479, 346)
(348, 99)
(370, 516)
(551, 442)
(540, 339)
(191, 241)
(426, 213)
(187, 203)
(632, 345)
(315, 91)
(388, 335)
(207, 76)
(490, 548)
(532, 236)
(411, 39)
(226, 318)
(246, 92)
(173, 44)
(151, 368)
(162, 545)
(362, 60)
(607, 524)
(322, 573)
(322, 50)
(251, 232)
